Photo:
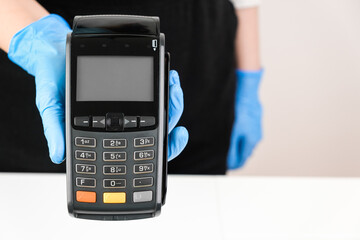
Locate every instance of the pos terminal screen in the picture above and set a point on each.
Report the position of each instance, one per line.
(115, 78)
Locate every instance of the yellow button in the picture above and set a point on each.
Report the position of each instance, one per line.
(114, 197)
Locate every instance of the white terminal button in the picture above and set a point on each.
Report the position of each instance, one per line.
(144, 196)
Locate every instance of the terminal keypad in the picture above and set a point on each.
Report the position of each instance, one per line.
(126, 167)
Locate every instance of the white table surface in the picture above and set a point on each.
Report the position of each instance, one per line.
(33, 206)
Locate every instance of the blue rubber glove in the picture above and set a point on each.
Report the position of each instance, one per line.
(246, 132)
(179, 136)
(40, 50)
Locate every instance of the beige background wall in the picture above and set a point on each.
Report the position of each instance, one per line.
(311, 89)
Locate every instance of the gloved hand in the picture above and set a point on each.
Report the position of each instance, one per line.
(40, 50)
(247, 131)
(179, 136)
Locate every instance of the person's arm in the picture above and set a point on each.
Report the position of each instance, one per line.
(247, 39)
(247, 129)
(15, 15)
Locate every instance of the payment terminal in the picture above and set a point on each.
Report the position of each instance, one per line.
(116, 117)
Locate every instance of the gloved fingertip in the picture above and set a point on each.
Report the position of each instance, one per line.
(56, 159)
(245, 153)
(174, 77)
(178, 139)
(183, 132)
(56, 141)
(56, 155)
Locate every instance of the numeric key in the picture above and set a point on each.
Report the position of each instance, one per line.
(85, 142)
(114, 183)
(144, 155)
(114, 156)
(85, 155)
(85, 168)
(143, 168)
(114, 143)
(114, 169)
(144, 142)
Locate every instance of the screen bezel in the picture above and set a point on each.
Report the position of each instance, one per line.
(113, 45)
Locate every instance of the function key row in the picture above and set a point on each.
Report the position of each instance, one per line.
(114, 183)
(113, 197)
(114, 121)
(114, 169)
(114, 156)
(114, 143)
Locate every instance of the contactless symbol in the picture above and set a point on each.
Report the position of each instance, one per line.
(154, 44)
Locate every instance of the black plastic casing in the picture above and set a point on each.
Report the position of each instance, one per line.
(119, 38)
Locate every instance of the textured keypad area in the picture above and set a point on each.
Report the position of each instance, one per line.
(114, 169)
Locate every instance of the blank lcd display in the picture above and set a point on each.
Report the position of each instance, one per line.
(115, 78)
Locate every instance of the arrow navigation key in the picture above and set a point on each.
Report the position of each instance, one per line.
(130, 121)
(98, 122)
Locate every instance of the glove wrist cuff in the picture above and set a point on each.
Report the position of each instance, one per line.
(248, 83)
